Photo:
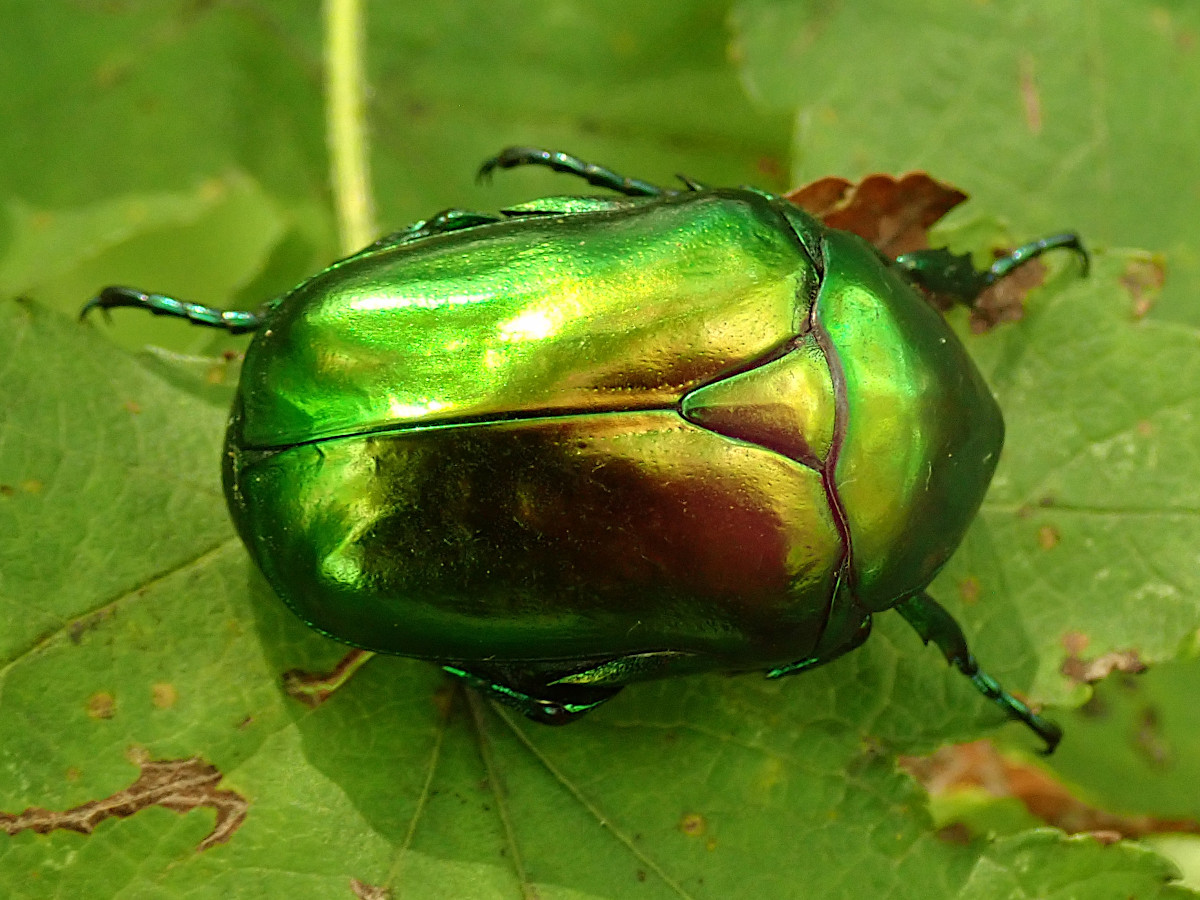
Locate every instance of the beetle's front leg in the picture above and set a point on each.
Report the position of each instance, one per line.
(235, 321)
(931, 621)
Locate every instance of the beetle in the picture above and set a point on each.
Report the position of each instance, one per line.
(594, 440)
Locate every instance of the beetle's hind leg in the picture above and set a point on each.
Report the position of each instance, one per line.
(946, 274)
(597, 176)
(550, 705)
(931, 621)
(235, 321)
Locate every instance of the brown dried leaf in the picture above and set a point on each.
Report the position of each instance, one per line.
(894, 214)
(1004, 301)
(979, 765)
(364, 891)
(1143, 278)
(1088, 671)
(180, 785)
(314, 688)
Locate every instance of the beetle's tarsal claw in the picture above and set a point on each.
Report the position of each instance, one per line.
(92, 304)
(484, 175)
(112, 297)
(510, 157)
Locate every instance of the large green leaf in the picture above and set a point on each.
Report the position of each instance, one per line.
(179, 146)
(1054, 114)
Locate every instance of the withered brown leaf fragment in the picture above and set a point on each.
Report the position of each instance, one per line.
(978, 765)
(1089, 670)
(180, 785)
(893, 214)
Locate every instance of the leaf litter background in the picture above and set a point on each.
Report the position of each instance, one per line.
(180, 146)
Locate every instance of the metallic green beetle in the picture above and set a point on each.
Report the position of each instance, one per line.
(600, 440)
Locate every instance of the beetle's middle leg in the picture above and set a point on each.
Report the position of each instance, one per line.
(550, 705)
(597, 176)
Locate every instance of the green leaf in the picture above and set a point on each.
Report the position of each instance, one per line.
(180, 147)
(1054, 114)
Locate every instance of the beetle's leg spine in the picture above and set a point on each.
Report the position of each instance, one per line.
(235, 321)
(597, 176)
(930, 620)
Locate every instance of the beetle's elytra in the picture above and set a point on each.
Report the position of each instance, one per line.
(593, 441)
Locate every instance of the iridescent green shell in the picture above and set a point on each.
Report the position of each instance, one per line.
(703, 431)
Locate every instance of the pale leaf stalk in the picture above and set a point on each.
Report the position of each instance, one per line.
(346, 123)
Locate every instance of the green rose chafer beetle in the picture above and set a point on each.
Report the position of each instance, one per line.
(598, 440)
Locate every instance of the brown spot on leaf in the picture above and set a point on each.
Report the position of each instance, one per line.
(969, 589)
(164, 695)
(132, 406)
(769, 167)
(110, 73)
(1149, 740)
(1075, 642)
(1048, 537)
(1089, 671)
(693, 824)
(443, 698)
(1031, 101)
(979, 765)
(179, 785)
(101, 705)
(955, 833)
(364, 891)
(6, 490)
(1143, 278)
(893, 214)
